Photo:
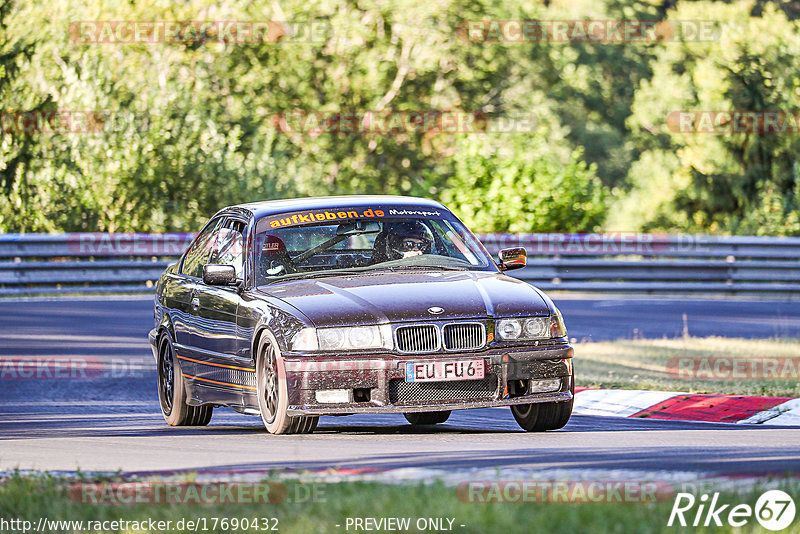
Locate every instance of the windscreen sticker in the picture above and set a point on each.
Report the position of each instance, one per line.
(325, 215)
(343, 214)
(414, 212)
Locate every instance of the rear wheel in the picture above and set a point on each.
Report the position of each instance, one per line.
(273, 398)
(542, 416)
(172, 389)
(427, 418)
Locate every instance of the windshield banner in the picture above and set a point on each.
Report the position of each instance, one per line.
(344, 214)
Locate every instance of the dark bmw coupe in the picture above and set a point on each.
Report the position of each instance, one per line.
(292, 309)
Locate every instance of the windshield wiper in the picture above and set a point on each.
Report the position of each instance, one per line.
(425, 268)
(363, 270)
(315, 274)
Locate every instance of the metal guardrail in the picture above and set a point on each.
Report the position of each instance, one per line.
(656, 263)
(650, 263)
(85, 262)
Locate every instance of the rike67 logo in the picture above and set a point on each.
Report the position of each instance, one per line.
(774, 510)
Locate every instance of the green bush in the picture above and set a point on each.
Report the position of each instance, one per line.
(520, 183)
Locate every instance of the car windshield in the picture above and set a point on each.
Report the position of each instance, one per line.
(288, 246)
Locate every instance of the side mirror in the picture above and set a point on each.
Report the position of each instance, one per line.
(219, 275)
(512, 258)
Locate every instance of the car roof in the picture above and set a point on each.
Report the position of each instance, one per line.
(275, 207)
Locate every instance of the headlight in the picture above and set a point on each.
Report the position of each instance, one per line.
(349, 338)
(525, 328)
(536, 327)
(509, 328)
(331, 338)
(364, 337)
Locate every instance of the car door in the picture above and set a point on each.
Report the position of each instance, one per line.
(219, 344)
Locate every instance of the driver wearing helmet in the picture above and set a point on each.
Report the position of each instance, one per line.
(407, 239)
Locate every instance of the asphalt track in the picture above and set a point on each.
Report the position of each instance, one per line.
(110, 420)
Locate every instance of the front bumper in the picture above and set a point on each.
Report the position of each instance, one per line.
(508, 374)
(151, 337)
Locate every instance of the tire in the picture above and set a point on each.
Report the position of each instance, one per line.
(542, 416)
(172, 389)
(427, 418)
(273, 398)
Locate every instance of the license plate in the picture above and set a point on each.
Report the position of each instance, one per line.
(437, 371)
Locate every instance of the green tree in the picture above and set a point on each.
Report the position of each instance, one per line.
(17, 150)
(524, 183)
(201, 135)
(591, 85)
(737, 182)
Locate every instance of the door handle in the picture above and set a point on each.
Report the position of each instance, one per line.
(195, 303)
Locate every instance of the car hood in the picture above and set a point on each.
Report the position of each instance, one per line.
(370, 298)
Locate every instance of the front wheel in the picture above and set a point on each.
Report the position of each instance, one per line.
(273, 398)
(542, 416)
(427, 418)
(172, 389)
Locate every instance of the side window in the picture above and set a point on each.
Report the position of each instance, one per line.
(197, 255)
(228, 246)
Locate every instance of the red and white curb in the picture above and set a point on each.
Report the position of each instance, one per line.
(677, 406)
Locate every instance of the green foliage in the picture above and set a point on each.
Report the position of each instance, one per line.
(203, 136)
(188, 127)
(19, 152)
(744, 182)
(591, 86)
(518, 183)
(324, 508)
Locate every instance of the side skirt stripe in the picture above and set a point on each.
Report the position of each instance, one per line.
(220, 383)
(217, 364)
